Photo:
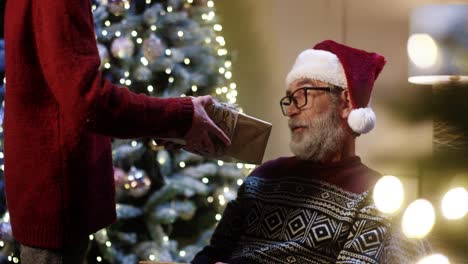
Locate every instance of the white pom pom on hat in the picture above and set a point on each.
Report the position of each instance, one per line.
(361, 120)
(347, 67)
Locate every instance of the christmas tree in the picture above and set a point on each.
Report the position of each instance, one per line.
(168, 201)
(8, 248)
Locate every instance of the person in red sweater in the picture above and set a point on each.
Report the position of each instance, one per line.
(60, 116)
(316, 206)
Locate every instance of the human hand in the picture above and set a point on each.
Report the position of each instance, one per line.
(198, 137)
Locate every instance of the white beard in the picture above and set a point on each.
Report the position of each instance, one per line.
(323, 136)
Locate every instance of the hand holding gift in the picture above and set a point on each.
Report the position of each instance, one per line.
(204, 134)
(248, 136)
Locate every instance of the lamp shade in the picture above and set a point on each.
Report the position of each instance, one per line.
(438, 44)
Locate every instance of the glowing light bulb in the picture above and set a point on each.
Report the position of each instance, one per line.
(388, 194)
(418, 219)
(434, 259)
(422, 50)
(144, 61)
(455, 203)
(217, 27)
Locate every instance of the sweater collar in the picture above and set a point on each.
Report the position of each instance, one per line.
(346, 162)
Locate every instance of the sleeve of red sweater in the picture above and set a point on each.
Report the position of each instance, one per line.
(67, 50)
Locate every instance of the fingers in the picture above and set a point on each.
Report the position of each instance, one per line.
(216, 131)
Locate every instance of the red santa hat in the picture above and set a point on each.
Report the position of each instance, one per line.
(350, 68)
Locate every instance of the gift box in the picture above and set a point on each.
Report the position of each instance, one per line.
(248, 135)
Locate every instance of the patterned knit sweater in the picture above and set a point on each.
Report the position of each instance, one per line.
(293, 211)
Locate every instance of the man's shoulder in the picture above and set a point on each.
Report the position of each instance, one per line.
(273, 167)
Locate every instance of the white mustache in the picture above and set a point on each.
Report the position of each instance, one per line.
(296, 123)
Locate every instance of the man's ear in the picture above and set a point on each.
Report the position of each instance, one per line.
(347, 107)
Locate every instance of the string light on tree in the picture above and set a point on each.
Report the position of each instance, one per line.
(218, 217)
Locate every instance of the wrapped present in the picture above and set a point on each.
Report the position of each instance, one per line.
(248, 135)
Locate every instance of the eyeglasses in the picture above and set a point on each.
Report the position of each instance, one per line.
(298, 98)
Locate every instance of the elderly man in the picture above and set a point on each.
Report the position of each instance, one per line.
(315, 207)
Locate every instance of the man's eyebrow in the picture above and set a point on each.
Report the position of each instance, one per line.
(306, 81)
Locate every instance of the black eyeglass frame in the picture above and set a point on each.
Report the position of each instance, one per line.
(293, 100)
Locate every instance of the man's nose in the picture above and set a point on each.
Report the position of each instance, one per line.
(292, 110)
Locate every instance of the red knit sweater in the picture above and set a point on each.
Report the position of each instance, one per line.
(60, 112)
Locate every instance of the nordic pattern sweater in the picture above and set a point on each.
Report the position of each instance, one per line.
(293, 211)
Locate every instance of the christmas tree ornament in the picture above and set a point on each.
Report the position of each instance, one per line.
(117, 7)
(153, 48)
(151, 15)
(5, 231)
(122, 48)
(143, 74)
(120, 177)
(103, 53)
(138, 183)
